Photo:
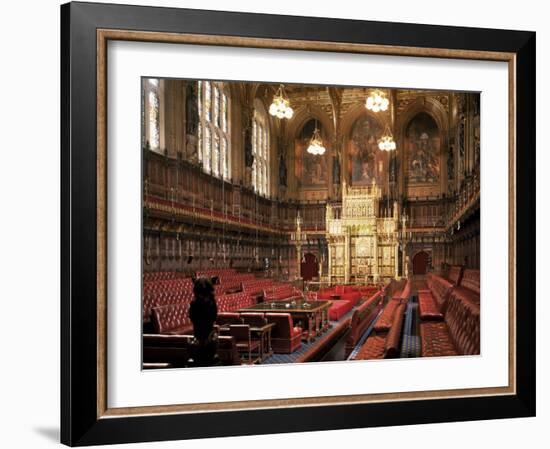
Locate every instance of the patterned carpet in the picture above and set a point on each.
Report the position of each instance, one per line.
(411, 342)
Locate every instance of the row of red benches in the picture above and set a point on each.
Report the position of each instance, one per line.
(173, 351)
(256, 286)
(234, 301)
(282, 292)
(449, 314)
(385, 338)
(161, 275)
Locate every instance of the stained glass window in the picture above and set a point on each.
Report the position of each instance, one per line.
(154, 119)
(207, 150)
(216, 156)
(260, 150)
(224, 113)
(214, 129)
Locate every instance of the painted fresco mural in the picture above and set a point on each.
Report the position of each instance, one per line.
(423, 145)
(311, 170)
(367, 161)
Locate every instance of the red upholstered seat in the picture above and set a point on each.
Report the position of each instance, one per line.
(436, 340)
(285, 337)
(172, 319)
(386, 319)
(282, 292)
(227, 318)
(455, 274)
(462, 319)
(427, 306)
(468, 290)
(338, 309)
(393, 339)
(465, 294)
(352, 297)
(362, 318)
(326, 293)
(254, 319)
(373, 348)
(344, 292)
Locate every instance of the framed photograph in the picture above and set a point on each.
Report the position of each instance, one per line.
(278, 224)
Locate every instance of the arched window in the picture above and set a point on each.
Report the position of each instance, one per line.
(151, 112)
(214, 129)
(261, 151)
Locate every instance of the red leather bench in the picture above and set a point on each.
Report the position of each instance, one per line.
(282, 292)
(256, 286)
(427, 306)
(373, 348)
(233, 301)
(394, 335)
(459, 333)
(440, 289)
(172, 319)
(361, 319)
(386, 319)
(173, 350)
(342, 292)
(227, 318)
(455, 274)
(469, 287)
(285, 337)
(385, 341)
(338, 309)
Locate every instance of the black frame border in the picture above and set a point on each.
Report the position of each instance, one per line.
(80, 424)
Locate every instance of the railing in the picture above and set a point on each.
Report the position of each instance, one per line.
(180, 183)
(468, 195)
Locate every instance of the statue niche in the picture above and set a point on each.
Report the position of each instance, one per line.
(191, 121)
(282, 171)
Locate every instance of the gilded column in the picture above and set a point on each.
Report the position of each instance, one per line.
(375, 264)
(330, 264)
(347, 256)
(396, 260)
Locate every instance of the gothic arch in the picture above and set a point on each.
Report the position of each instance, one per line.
(355, 113)
(302, 115)
(436, 111)
(353, 162)
(430, 106)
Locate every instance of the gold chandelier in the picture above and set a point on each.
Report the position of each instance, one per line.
(316, 146)
(386, 142)
(280, 106)
(377, 101)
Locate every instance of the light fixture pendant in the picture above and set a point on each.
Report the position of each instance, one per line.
(316, 146)
(377, 101)
(386, 142)
(280, 106)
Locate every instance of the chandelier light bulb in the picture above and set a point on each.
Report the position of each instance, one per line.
(280, 107)
(377, 101)
(316, 146)
(386, 142)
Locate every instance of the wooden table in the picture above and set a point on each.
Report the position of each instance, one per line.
(264, 333)
(313, 315)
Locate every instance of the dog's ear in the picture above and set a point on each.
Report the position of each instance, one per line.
(194, 279)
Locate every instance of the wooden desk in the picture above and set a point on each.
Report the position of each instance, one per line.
(313, 315)
(264, 334)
